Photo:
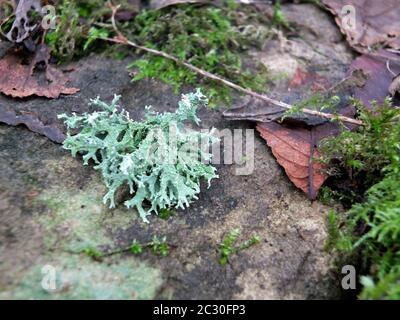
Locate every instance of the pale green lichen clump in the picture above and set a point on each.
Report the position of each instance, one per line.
(160, 160)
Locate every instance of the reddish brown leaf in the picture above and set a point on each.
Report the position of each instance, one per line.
(376, 22)
(24, 80)
(312, 79)
(299, 78)
(379, 69)
(41, 115)
(295, 149)
(33, 123)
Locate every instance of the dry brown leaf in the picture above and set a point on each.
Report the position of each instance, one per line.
(26, 20)
(51, 131)
(295, 146)
(255, 110)
(379, 69)
(21, 79)
(376, 22)
(295, 149)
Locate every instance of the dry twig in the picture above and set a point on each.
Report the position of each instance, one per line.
(121, 39)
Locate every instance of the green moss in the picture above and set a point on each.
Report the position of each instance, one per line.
(206, 37)
(386, 288)
(6, 10)
(165, 214)
(72, 36)
(363, 155)
(279, 19)
(93, 253)
(371, 156)
(337, 239)
(159, 246)
(65, 40)
(212, 38)
(228, 246)
(136, 247)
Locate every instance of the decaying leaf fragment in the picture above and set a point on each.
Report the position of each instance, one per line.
(295, 145)
(27, 21)
(368, 23)
(22, 76)
(52, 131)
(380, 69)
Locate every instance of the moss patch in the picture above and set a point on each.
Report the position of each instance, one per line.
(211, 38)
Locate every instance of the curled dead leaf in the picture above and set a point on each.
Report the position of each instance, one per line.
(368, 23)
(33, 123)
(295, 146)
(22, 77)
(28, 15)
(380, 78)
(296, 151)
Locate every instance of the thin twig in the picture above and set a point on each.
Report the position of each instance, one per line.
(393, 51)
(121, 39)
(388, 68)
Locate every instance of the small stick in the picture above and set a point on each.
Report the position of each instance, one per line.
(388, 68)
(121, 39)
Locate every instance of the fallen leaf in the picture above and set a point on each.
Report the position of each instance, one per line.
(368, 23)
(303, 77)
(380, 77)
(296, 147)
(256, 110)
(296, 151)
(33, 123)
(20, 79)
(27, 21)
(41, 115)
